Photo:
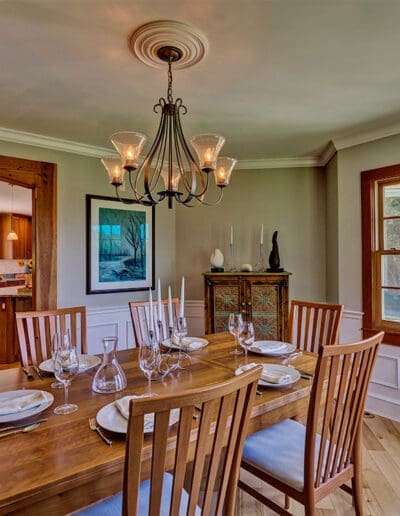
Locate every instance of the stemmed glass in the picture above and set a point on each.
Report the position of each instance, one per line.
(180, 331)
(235, 324)
(149, 361)
(66, 365)
(57, 341)
(246, 337)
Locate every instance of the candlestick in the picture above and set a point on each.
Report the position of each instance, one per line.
(170, 316)
(159, 305)
(182, 302)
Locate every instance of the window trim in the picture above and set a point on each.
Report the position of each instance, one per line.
(371, 297)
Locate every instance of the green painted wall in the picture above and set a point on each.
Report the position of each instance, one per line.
(291, 201)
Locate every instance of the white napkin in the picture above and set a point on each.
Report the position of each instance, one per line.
(269, 346)
(123, 405)
(188, 343)
(267, 376)
(21, 402)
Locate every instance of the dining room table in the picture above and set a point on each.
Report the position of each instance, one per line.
(63, 465)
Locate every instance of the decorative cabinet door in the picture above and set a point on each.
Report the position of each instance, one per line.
(223, 298)
(260, 297)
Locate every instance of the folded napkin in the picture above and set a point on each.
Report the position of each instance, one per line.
(188, 343)
(21, 402)
(123, 405)
(267, 376)
(269, 346)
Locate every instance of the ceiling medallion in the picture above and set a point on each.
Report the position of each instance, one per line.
(147, 39)
(169, 170)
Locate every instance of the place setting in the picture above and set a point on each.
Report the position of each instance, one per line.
(273, 375)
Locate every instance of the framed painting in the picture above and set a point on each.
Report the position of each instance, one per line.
(120, 246)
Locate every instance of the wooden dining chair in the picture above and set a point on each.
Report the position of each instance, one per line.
(312, 325)
(195, 466)
(309, 462)
(140, 319)
(36, 329)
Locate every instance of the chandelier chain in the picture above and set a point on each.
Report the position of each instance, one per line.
(169, 90)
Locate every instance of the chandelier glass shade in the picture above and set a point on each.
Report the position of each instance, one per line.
(170, 170)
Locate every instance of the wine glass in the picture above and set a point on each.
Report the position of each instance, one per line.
(246, 337)
(235, 324)
(66, 365)
(179, 332)
(149, 361)
(56, 343)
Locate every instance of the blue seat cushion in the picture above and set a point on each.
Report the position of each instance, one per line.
(279, 451)
(112, 506)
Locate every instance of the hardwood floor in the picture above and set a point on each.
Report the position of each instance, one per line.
(381, 463)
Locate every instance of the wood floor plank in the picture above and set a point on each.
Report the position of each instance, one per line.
(381, 479)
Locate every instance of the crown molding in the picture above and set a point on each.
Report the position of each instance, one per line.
(258, 164)
(326, 154)
(366, 136)
(48, 142)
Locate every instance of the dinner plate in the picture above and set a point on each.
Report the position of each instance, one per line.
(188, 343)
(16, 416)
(272, 348)
(86, 362)
(110, 419)
(293, 374)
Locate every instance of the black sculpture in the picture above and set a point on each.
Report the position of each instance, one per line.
(274, 260)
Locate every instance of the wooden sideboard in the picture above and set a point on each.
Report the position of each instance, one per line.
(260, 297)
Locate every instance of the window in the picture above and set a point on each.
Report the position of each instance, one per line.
(381, 251)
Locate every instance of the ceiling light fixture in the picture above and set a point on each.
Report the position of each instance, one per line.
(12, 235)
(169, 170)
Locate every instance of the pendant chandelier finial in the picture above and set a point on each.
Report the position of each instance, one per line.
(169, 170)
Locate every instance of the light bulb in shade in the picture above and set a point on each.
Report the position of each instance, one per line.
(129, 145)
(223, 171)
(12, 235)
(174, 179)
(115, 170)
(207, 147)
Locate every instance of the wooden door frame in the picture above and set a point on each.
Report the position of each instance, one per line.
(41, 178)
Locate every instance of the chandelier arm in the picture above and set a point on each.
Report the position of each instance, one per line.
(213, 203)
(124, 201)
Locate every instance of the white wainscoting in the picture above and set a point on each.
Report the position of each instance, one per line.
(384, 392)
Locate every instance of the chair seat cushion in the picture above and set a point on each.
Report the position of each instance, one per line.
(112, 506)
(279, 451)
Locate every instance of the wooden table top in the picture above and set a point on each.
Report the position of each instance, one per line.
(63, 465)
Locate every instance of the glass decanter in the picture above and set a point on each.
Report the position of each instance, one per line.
(110, 376)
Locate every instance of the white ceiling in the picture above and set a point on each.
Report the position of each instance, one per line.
(15, 200)
(282, 77)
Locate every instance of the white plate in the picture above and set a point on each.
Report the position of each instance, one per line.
(8, 418)
(271, 348)
(280, 369)
(187, 342)
(86, 362)
(110, 418)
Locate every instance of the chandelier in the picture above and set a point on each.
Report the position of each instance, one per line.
(170, 171)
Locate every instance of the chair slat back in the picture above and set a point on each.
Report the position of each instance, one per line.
(36, 329)
(203, 455)
(312, 325)
(336, 411)
(141, 318)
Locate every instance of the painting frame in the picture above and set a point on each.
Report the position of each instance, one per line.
(113, 229)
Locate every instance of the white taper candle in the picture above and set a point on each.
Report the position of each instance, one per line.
(170, 316)
(182, 303)
(262, 235)
(159, 305)
(151, 317)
